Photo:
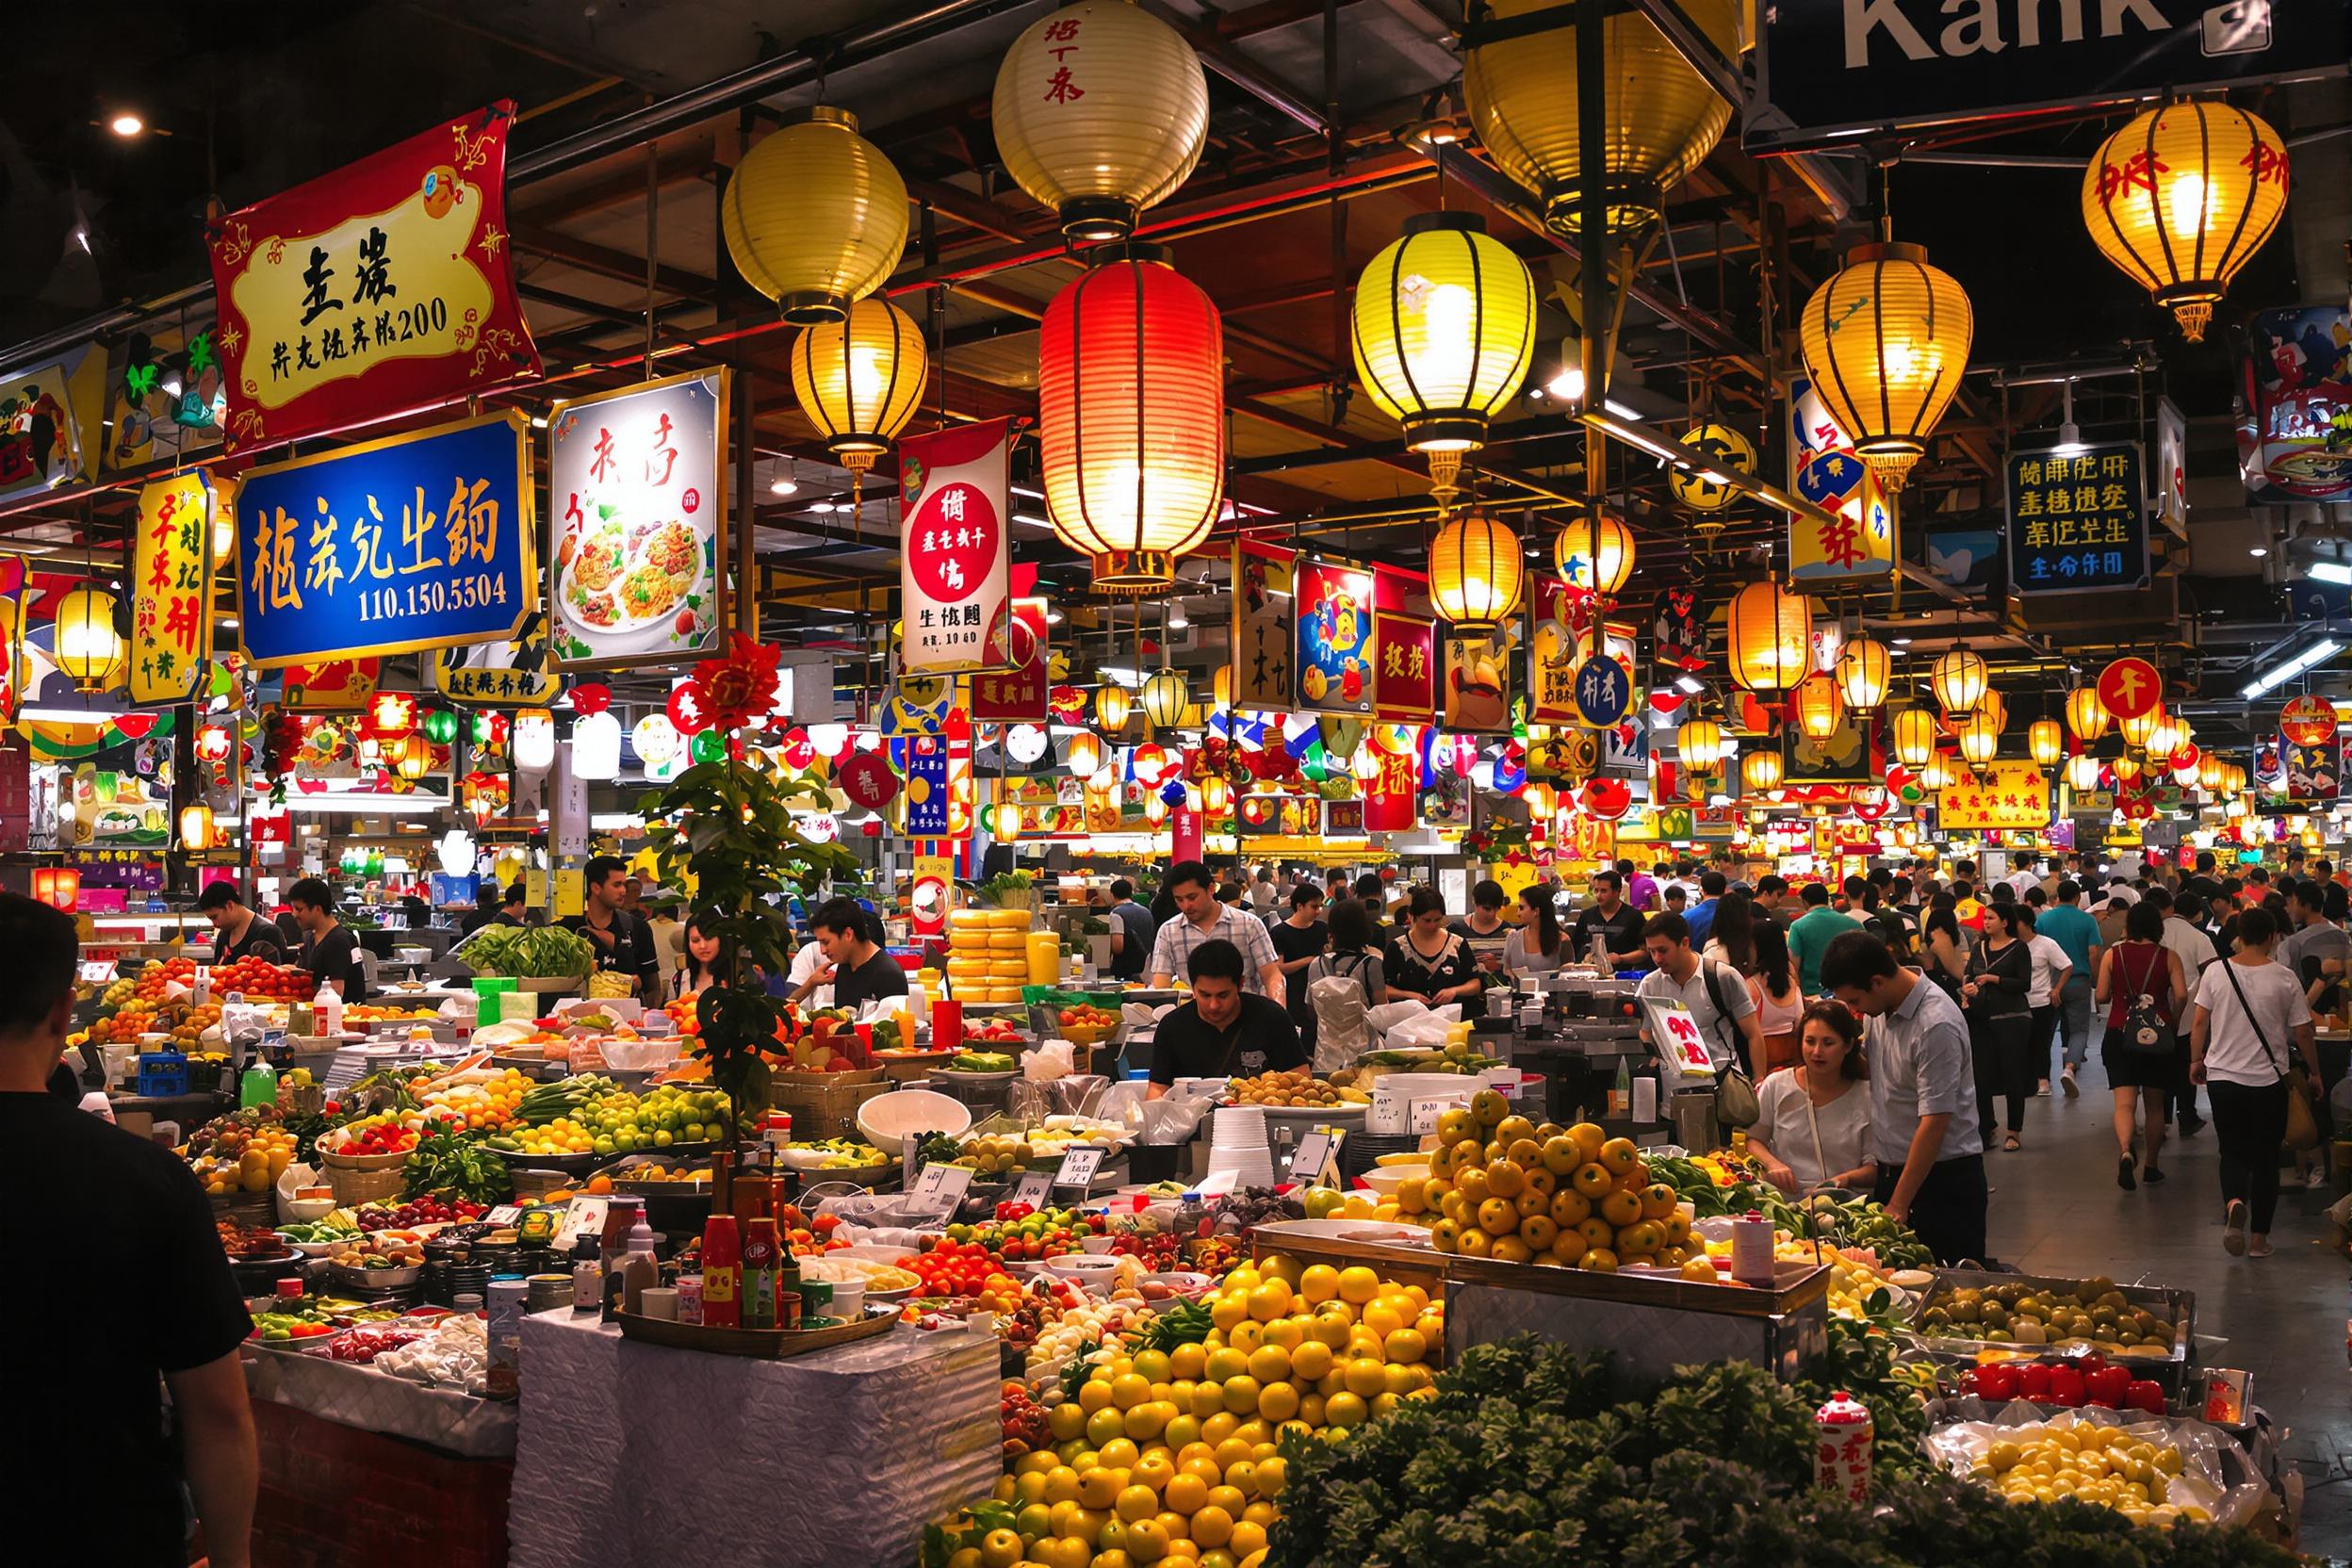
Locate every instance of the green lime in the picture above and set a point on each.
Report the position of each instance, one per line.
(606, 1146)
(663, 1138)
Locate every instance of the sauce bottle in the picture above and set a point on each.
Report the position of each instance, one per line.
(722, 1272)
(764, 1251)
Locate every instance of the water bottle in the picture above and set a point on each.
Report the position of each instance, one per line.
(328, 1008)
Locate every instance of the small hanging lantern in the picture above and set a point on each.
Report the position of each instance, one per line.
(1978, 739)
(2086, 716)
(1915, 737)
(2045, 742)
(2083, 772)
(394, 713)
(2163, 737)
(1700, 744)
(1820, 707)
(213, 744)
(1165, 698)
(2181, 197)
(1864, 668)
(87, 647)
(1083, 755)
(1993, 706)
(1885, 340)
(1937, 772)
(1215, 794)
(596, 747)
(859, 378)
(1761, 771)
(59, 887)
(2126, 768)
(2212, 772)
(534, 740)
(1542, 801)
(1594, 553)
(1477, 573)
(1958, 679)
(1113, 703)
(2140, 728)
(814, 215)
(197, 832)
(1770, 632)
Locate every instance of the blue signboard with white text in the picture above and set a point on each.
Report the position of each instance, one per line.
(2078, 519)
(416, 541)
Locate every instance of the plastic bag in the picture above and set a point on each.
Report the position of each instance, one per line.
(1049, 1061)
(1388, 1015)
(1426, 1031)
(2215, 1472)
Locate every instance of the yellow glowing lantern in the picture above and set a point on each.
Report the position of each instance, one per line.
(1915, 737)
(1659, 117)
(1937, 773)
(1594, 553)
(197, 829)
(2140, 728)
(2163, 737)
(1886, 341)
(1978, 739)
(1112, 703)
(1700, 744)
(1770, 636)
(1958, 679)
(1761, 771)
(1084, 755)
(1165, 698)
(1864, 668)
(814, 215)
(1820, 708)
(88, 648)
(1155, 809)
(1444, 332)
(2212, 772)
(2044, 742)
(859, 378)
(1475, 573)
(1008, 822)
(1215, 794)
(1993, 707)
(2181, 197)
(2126, 768)
(415, 760)
(2085, 714)
(2083, 772)
(1542, 800)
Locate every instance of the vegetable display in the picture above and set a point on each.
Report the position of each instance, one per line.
(528, 952)
(447, 1162)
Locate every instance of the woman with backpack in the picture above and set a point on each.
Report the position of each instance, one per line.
(1343, 982)
(2140, 984)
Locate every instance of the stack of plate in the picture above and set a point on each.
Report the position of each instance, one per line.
(1238, 1145)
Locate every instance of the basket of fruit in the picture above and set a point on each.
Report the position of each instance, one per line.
(378, 1143)
(1083, 1024)
(380, 1261)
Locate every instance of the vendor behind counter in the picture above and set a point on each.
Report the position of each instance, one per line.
(1223, 1032)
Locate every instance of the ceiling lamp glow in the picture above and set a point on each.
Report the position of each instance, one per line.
(1885, 340)
(1101, 110)
(1820, 707)
(2182, 197)
(1770, 632)
(2085, 714)
(88, 648)
(1660, 118)
(1594, 553)
(1131, 388)
(859, 378)
(1958, 679)
(2044, 742)
(1864, 669)
(1475, 573)
(815, 215)
(1915, 737)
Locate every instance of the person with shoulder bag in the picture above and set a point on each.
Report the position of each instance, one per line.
(2142, 988)
(2244, 1005)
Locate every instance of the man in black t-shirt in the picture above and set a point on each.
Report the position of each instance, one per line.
(330, 951)
(1610, 912)
(622, 942)
(238, 932)
(857, 968)
(1222, 1032)
(152, 1298)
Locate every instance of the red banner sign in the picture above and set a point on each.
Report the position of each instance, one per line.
(1388, 803)
(955, 557)
(1016, 695)
(385, 286)
(1404, 668)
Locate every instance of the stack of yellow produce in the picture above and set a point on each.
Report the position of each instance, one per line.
(1508, 1188)
(988, 953)
(1170, 1454)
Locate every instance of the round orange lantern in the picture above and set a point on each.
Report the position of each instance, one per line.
(2308, 720)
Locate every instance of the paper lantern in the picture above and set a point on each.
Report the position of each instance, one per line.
(1700, 744)
(1005, 823)
(2044, 742)
(1820, 708)
(441, 726)
(1978, 739)
(1915, 737)
(1215, 794)
(1937, 772)
(1113, 703)
(534, 740)
(2083, 772)
(1082, 756)
(1475, 573)
(1542, 801)
(1886, 341)
(2181, 197)
(2126, 768)
(596, 747)
(1660, 117)
(1165, 698)
(859, 378)
(213, 744)
(1958, 679)
(88, 648)
(1101, 110)
(2085, 714)
(2212, 772)
(814, 215)
(655, 739)
(1131, 414)
(1770, 632)
(197, 829)
(1761, 771)
(2140, 728)
(1154, 809)
(59, 887)
(1594, 553)
(1445, 329)
(2235, 807)
(1994, 707)
(2308, 720)
(415, 760)
(1864, 668)
(2163, 735)
(394, 713)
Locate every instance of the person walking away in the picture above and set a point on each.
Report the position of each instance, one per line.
(2195, 950)
(2305, 951)
(1812, 932)
(1537, 946)
(1702, 915)
(1813, 1123)
(92, 1452)
(1943, 947)
(1999, 979)
(1299, 938)
(1731, 935)
(2050, 978)
(1711, 992)
(1779, 999)
(2250, 1013)
(1345, 982)
(1428, 963)
(1923, 1115)
(2076, 934)
(2143, 994)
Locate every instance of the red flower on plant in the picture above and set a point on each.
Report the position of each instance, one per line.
(739, 690)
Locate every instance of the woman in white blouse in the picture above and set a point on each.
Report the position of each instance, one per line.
(2251, 1022)
(1813, 1127)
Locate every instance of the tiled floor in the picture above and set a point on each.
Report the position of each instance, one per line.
(2056, 1210)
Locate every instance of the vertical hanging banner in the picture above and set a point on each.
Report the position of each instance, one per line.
(2170, 482)
(2077, 520)
(1334, 615)
(1016, 695)
(1389, 798)
(926, 787)
(1404, 668)
(384, 286)
(955, 559)
(14, 675)
(1477, 695)
(1553, 653)
(172, 581)
(1824, 469)
(637, 533)
(1263, 608)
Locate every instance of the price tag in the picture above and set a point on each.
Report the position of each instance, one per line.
(585, 1217)
(1079, 1164)
(1312, 1158)
(1388, 1107)
(98, 971)
(505, 1214)
(1034, 1188)
(943, 1184)
(1425, 1115)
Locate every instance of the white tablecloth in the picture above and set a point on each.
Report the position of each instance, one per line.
(355, 1396)
(633, 1453)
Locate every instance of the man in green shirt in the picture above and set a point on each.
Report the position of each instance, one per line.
(1812, 932)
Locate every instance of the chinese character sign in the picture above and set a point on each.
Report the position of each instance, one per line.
(637, 524)
(1334, 613)
(1404, 668)
(1016, 694)
(172, 588)
(1262, 648)
(419, 542)
(384, 286)
(2078, 521)
(1825, 469)
(955, 559)
(2011, 795)
(1389, 799)
(500, 675)
(1553, 654)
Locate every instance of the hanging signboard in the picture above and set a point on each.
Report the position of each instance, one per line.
(518, 674)
(2170, 482)
(165, 398)
(1404, 668)
(1824, 469)
(2295, 403)
(637, 528)
(1016, 694)
(1389, 797)
(416, 541)
(2001, 796)
(1846, 757)
(1262, 651)
(49, 420)
(1477, 695)
(2078, 521)
(955, 561)
(1333, 608)
(1553, 654)
(171, 585)
(332, 685)
(1257, 816)
(384, 286)
(1828, 73)
(2314, 773)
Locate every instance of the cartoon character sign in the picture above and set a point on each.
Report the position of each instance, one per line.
(1335, 624)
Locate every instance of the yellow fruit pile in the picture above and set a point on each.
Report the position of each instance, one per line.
(485, 1106)
(1506, 1188)
(1171, 1454)
(245, 1162)
(561, 1137)
(988, 953)
(2098, 1465)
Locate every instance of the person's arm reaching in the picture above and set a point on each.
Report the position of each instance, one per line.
(223, 1460)
(1927, 1143)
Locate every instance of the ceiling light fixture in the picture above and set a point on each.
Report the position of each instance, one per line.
(2336, 572)
(2259, 552)
(2071, 443)
(126, 124)
(2311, 657)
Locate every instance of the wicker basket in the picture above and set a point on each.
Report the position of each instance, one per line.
(825, 1105)
(360, 1186)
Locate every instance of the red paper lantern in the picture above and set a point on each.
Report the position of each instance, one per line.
(591, 698)
(1131, 394)
(59, 887)
(212, 744)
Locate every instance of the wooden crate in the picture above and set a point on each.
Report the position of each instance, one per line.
(825, 1105)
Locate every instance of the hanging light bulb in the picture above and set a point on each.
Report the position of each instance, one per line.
(1165, 698)
(1082, 756)
(1915, 737)
(1700, 744)
(1770, 632)
(814, 215)
(1113, 703)
(1477, 573)
(1864, 668)
(1958, 679)
(2181, 197)
(859, 378)
(2045, 742)
(1820, 707)
(2083, 772)
(1761, 771)
(1594, 553)
(1885, 340)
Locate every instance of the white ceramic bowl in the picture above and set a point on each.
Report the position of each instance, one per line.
(1083, 1267)
(888, 1120)
(1385, 1179)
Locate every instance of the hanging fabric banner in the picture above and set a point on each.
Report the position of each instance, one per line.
(955, 555)
(172, 581)
(385, 286)
(1335, 617)
(1404, 668)
(1263, 607)
(1824, 469)
(1017, 694)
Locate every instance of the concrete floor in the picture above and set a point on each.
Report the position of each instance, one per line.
(2056, 1210)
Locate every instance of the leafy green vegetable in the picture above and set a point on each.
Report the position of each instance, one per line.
(450, 1161)
(528, 952)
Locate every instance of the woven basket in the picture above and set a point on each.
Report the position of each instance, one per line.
(361, 1186)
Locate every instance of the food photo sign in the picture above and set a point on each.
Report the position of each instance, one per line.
(637, 527)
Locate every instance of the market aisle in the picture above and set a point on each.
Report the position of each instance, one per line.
(2056, 1210)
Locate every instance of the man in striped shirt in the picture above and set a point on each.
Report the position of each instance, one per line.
(1200, 918)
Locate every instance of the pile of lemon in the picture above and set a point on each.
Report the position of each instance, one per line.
(2107, 1465)
(1171, 1454)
